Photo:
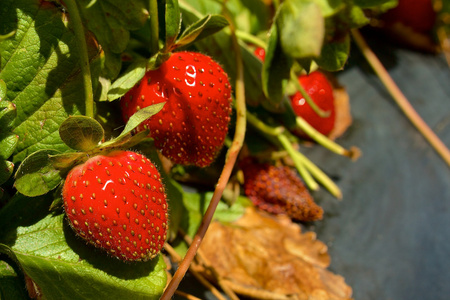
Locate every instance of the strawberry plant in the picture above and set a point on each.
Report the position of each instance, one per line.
(110, 111)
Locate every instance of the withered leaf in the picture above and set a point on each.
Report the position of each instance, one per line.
(265, 256)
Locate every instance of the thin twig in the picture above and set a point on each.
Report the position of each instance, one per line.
(177, 258)
(400, 98)
(232, 155)
(186, 295)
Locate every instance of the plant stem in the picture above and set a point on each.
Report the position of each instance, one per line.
(400, 98)
(301, 162)
(75, 20)
(232, 155)
(309, 180)
(317, 173)
(251, 39)
(154, 26)
(321, 139)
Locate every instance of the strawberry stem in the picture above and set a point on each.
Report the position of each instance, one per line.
(232, 155)
(309, 180)
(400, 98)
(251, 39)
(302, 164)
(154, 26)
(319, 175)
(315, 108)
(321, 139)
(75, 20)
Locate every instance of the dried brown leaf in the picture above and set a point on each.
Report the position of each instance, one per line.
(262, 255)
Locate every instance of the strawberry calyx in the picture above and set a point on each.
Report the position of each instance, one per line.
(43, 170)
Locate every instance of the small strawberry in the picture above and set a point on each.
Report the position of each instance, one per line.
(192, 126)
(278, 190)
(117, 202)
(419, 15)
(260, 53)
(321, 92)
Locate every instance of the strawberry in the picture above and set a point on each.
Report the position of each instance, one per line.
(321, 92)
(117, 202)
(260, 53)
(192, 126)
(419, 15)
(278, 190)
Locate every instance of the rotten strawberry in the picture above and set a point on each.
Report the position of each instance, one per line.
(117, 202)
(278, 190)
(192, 126)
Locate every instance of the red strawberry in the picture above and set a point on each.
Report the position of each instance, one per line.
(260, 53)
(117, 202)
(321, 92)
(279, 190)
(192, 126)
(418, 15)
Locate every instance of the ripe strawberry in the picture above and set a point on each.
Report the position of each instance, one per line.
(260, 53)
(192, 126)
(279, 190)
(319, 89)
(117, 202)
(418, 15)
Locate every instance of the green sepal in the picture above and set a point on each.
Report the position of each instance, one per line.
(81, 132)
(200, 29)
(126, 139)
(140, 116)
(134, 73)
(36, 175)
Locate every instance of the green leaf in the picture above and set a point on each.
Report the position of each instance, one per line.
(8, 113)
(111, 22)
(197, 204)
(372, 3)
(334, 55)
(2, 90)
(36, 175)
(12, 285)
(6, 170)
(8, 143)
(173, 22)
(62, 264)
(81, 132)
(134, 73)
(276, 68)
(330, 7)
(251, 16)
(301, 28)
(41, 67)
(207, 26)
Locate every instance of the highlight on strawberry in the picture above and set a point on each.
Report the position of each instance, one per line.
(192, 126)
